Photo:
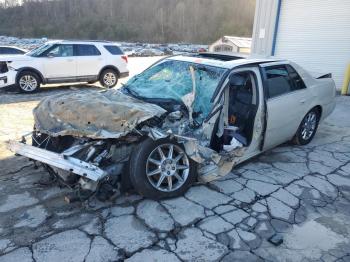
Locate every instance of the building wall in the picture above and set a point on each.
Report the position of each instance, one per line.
(264, 27)
(244, 50)
(224, 48)
(313, 33)
(219, 43)
(316, 35)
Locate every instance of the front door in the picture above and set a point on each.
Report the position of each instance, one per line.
(250, 105)
(60, 63)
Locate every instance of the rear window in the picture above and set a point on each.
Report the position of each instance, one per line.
(114, 50)
(87, 50)
(297, 80)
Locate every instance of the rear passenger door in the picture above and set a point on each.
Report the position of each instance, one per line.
(89, 60)
(286, 101)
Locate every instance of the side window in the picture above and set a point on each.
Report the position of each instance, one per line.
(113, 49)
(298, 83)
(14, 51)
(87, 50)
(17, 52)
(8, 50)
(277, 81)
(61, 51)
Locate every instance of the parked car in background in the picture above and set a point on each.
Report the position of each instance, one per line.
(63, 62)
(12, 50)
(186, 118)
(202, 50)
(149, 52)
(164, 48)
(129, 51)
(157, 52)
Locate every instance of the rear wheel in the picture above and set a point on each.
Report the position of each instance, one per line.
(109, 78)
(28, 82)
(161, 169)
(307, 128)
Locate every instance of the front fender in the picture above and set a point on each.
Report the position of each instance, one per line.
(31, 69)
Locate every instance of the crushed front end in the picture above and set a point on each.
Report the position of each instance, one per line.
(159, 134)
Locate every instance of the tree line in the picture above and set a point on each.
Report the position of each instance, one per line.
(162, 21)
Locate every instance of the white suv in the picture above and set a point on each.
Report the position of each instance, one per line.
(63, 62)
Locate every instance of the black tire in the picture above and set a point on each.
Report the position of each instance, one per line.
(109, 78)
(28, 82)
(139, 164)
(300, 138)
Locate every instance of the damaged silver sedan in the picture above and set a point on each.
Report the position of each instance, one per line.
(184, 119)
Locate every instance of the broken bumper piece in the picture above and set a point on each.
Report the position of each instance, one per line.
(60, 161)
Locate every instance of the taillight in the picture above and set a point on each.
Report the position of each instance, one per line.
(125, 58)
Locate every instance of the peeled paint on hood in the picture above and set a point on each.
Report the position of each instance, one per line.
(108, 114)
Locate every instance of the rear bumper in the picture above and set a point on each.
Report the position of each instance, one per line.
(8, 79)
(60, 161)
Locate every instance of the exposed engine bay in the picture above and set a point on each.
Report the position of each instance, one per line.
(109, 147)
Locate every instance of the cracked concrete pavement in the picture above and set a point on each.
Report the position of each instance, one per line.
(300, 195)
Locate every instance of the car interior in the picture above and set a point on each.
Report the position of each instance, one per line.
(242, 105)
(241, 111)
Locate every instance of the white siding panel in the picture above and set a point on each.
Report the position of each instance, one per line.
(264, 26)
(316, 35)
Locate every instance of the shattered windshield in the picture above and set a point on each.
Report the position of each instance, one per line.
(172, 79)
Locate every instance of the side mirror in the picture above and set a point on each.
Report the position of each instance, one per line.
(50, 55)
(237, 80)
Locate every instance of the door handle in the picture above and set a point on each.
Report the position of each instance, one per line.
(70, 60)
(302, 101)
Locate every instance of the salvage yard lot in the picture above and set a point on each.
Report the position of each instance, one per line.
(300, 195)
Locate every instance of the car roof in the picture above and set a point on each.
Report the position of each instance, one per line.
(224, 60)
(81, 42)
(14, 47)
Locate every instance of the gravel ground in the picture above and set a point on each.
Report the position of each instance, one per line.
(299, 196)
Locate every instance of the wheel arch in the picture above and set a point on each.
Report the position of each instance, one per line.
(319, 109)
(114, 68)
(30, 69)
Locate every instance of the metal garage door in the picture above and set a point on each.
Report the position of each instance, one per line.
(316, 34)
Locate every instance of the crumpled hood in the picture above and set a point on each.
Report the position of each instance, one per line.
(93, 114)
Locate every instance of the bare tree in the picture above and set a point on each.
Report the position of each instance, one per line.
(197, 21)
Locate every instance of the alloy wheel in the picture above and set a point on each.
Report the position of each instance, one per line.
(28, 83)
(167, 167)
(109, 79)
(309, 125)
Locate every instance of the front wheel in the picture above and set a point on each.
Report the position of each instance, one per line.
(28, 82)
(161, 169)
(307, 128)
(109, 78)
